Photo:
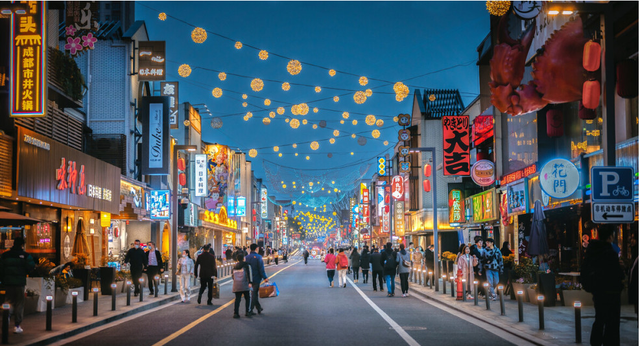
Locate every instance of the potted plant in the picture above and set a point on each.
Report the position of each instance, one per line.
(532, 293)
(42, 282)
(31, 301)
(120, 278)
(571, 292)
(80, 271)
(448, 259)
(525, 271)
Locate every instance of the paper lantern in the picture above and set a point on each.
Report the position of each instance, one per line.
(585, 113)
(591, 94)
(336, 133)
(555, 123)
(427, 170)
(181, 164)
(426, 185)
(182, 178)
(314, 145)
(354, 122)
(627, 79)
(591, 56)
(336, 99)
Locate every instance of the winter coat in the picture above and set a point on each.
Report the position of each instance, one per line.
(330, 260)
(257, 267)
(466, 266)
(187, 264)
(242, 285)
(479, 253)
(207, 263)
(492, 260)
(417, 257)
(158, 259)
(389, 257)
(355, 259)
(601, 272)
(403, 255)
(365, 260)
(15, 264)
(341, 255)
(376, 262)
(429, 258)
(136, 259)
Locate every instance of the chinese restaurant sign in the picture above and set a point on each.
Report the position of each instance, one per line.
(559, 178)
(151, 60)
(455, 134)
(170, 90)
(399, 219)
(456, 207)
(201, 175)
(386, 223)
(29, 62)
(484, 206)
(519, 174)
(81, 20)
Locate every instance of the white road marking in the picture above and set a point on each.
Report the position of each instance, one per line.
(411, 341)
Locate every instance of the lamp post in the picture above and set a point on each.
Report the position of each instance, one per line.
(174, 213)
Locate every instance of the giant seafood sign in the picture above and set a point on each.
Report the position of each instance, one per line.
(455, 135)
(28, 62)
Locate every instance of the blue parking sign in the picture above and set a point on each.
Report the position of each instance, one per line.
(611, 184)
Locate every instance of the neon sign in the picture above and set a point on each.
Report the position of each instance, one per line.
(219, 218)
(519, 174)
(456, 207)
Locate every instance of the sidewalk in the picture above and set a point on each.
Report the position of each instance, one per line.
(559, 320)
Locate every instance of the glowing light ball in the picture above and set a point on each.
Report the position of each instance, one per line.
(294, 145)
(332, 72)
(353, 135)
(162, 16)
(253, 153)
(280, 110)
(238, 45)
(341, 121)
(318, 89)
(379, 122)
(263, 55)
(244, 96)
(294, 123)
(303, 109)
(267, 102)
(199, 35)
(370, 119)
(272, 114)
(315, 126)
(222, 76)
(395, 119)
(216, 92)
(315, 109)
(244, 104)
(332, 140)
(294, 67)
(336, 99)
(307, 159)
(304, 121)
(250, 115)
(368, 92)
(345, 115)
(266, 121)
(279, 154)
(386, 143)
(432, 97)
(498, 8)
(354, 122)
(375, 133)
(286, 86)
(276, 148)
(314, 145)
(336, 133)
(295, 110)
(184, 70)
(257, 84)
(363, 80)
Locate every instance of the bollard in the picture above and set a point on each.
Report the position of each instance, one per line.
(475, 292)
(444, 284)
(74, 307)
(577, 306)
(486, 296)
(95, 301)
(113, 296)
(464, 290)
(6, 308)
(166, 283)
(541, 312)
(453, 291)
(501, 292)
(49, 308)
(520, 311)
(423, 278)
(128, 292)
(156, 281)
(141, 290)
(430, 279)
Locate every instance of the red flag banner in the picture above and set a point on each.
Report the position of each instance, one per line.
(455, 134)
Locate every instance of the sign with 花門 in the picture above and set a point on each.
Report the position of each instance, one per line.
(155, 135)
(28, 62)
(151, 60)
(170, 90)
(456, 207)
(559, 178)
(455, 135)
(201, 175)
(484, 206)
(397, 188)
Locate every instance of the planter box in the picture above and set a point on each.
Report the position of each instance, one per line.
(83, 274)
(521, 287)
(80, 291)
(31, 304)
(60, 298)
(43, 288)
(107, 277)
(570, 296)
(533, 295)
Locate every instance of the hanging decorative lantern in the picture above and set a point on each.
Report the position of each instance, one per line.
(591, 56)
(294, 123)
(244, 104)
(354, 122)
(276, 148)
(359, 97)
(345, 115)
(336, 133)
(332, 140)
(591, 94)
(426, 185)
(336, 99)
(379, 122)
(253, 153)
(362, 140)
(370, 119)
(555, 123)
(318, 89)
(303, 109)
(627, 79)
(272, 114)
(244, 96)
(162, 16)
(199, 35)
(216, 92)
(280, 110)
(585, 113)
(498, 7)
(375, 133)
(386, 143)
(182, 178)
(266, 121)
(315, 126)
(181, 164)
(294, 67)
(249, 115)
(322, 124)
(353, 135)
(238, 45)
(294, 145)
(257, 84)
(315, 109)
(184, 70)
(216, 123)
(263, 55)
(332, 72)
(304, 121)
(368, 92)
(286, 86)
(222, 76)
(267, 102)
(314, 145)
(427, 170)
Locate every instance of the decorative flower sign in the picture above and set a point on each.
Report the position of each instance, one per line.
(73, 45)
(89, 40)
(81, 20)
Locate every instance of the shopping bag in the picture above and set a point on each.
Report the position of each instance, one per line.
(269, 290)
(216, 289)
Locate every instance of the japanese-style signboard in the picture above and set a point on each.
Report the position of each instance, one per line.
(382, 166)
(455, 134)
(559, 178)
(29, 62)
(397, 188)
(80, 26)
(201, 175)
(405, 167)
(456, 207)
(170, 89)
(151, 60)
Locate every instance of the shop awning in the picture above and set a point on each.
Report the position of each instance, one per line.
(13, 219)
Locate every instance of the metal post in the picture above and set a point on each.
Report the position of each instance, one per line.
(74, 307)
(95, 301)
(464, 290)
(49, 309)
(475, 292)
(434, 194)
(141, 290)
(173, 249)
(453, 291)
(430, 279)
(5, 323)
(541, 312)
(166, 283)
(423, 278)
(487, 299)
(128, 292)
(444, 284)
(156, 280)
(520, 311)
(608, 87)
(113, 297)
(577, 306)
(501, 292)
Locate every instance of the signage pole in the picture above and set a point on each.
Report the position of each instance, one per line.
(174, 218)
(434, 194)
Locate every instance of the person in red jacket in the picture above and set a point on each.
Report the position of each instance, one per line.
(342, 263)
(330, 260)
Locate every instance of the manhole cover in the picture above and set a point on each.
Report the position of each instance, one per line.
(412, 328)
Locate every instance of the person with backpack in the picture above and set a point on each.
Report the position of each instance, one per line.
(355, 264)
(330, 260)
(185, 271)
(403, 258)
(389, 264)
(342, 263)
(15, 265)
(305, 254)
(602, 275)
(365, 260)
(242, 283)
(258, 274)
(377, 270)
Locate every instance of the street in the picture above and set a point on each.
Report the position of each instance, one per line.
(306, 312)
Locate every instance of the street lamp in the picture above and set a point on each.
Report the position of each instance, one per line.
(174, 213)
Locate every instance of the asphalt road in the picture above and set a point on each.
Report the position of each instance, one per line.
(307, 312)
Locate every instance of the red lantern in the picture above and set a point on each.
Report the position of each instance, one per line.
(591, 94)
(591, 56)
(555, 126)
(627, 79)
(182, 178)
(427, 170)
(181, 165)
(585, 113)
(426, 185)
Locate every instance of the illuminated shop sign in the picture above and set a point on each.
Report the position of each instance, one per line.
(455, 135)
(519, 174)
(201, 175)
(456, 207)
(241, 206)
(559, 178)
(160, 204)
(219, 218)
(484, 206)
(151, 60)
(170, 90)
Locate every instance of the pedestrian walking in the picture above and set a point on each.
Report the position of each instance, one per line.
(305, 255)
(404, 268)
(330, 260)
(417, 258)
(466, 262)
(493, 267)
(390, 265)
(285, 255)
(377, 271)
(137, 261)
(207, 264)
(355, 264)
(365, 261)
(15, 265)
(278, 254)
(185, 271)
(228, 255)
(478, 251)
(342, 262)
(257, 269)
(242, 284)
(602, 275)
(154, 264)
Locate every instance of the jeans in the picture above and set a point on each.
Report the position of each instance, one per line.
(356, 271)
(247, 300)
(330, 275)
(377, 274)
(391, 283)
(404, 282)
(185, 286)
(203, 286)
(255, 296)
(606, 327)
(152, 271)
(365, 275)
(342, 277)
(493, 277)
(136, 274)
(14, 295)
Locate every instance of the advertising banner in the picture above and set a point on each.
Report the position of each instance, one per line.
(386, 222)
(170, 90)
(160, 204)
(201, 175)
(155, 135)
(456, 207)
(398, 219)
(241, 206)
(484, 206)
(217, 173)
(455, 134)
(263, 203)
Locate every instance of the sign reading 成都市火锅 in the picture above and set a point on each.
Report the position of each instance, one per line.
(155, 136)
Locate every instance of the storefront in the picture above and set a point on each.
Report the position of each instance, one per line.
(224, 230)
(482, 216)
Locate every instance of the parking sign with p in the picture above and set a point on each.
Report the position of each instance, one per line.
(612, 194)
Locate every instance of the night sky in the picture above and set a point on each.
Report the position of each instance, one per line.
(386, 42)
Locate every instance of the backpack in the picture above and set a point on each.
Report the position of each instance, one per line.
(343, 261)
(390, 263)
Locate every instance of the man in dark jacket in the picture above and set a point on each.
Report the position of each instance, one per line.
(228, 254)
(376, 269)
(207, 264)
(478, 251)
(15, 264)
(137, 261)
(154, 265)
(602, 275)
(365, 260)
(305, 255)
(257, 268)
(389, 265)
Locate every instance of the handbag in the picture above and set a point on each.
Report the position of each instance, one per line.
(268, 290)
(406, 263)
(216, 289)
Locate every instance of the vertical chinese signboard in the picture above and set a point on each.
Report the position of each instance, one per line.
(29, 62)
(263, 203)
(81, 26)
(456, 207)
(151, 60)
(455, 134)
(365, 205)
(170, 89)
(386, 222)
(398, 216)
(201, 175)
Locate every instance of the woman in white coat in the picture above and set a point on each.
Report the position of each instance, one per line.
(466, 262)
(185, 272)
